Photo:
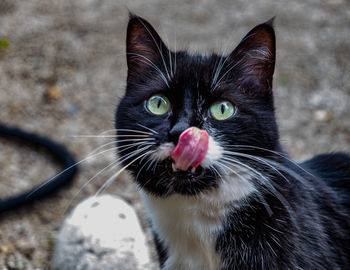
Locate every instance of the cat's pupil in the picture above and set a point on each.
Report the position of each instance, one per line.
(222, 108)
(159, 103)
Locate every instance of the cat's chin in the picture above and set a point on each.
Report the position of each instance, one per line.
(188, 182)
(192, 174)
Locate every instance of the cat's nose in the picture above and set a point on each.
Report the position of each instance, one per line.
(176, 131)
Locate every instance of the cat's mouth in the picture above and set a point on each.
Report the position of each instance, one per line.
(180, 169)
(192, 173)
(190, 150)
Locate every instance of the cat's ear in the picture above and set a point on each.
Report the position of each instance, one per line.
(144, 47)
(255, 56)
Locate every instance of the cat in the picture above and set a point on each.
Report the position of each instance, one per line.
(199, 135)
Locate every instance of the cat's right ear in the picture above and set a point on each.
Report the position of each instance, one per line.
(144, 47)
(254, 57)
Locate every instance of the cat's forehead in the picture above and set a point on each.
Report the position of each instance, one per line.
(195, 71)
(197, 63)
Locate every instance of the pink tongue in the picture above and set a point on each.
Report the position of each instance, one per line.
(191, 148)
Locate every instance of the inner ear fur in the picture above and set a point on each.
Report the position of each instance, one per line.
(255, 55)
(144, 47)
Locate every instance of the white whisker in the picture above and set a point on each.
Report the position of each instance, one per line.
(153, 160)
(90, 156)
(109, 167)
(261, 197)
(151, 64)
(267, 183)
(138, 173)
(169, 55)
(211, 167)
(131, 130)
(113, 164)
(277, 153)
(123, 130)
(135, 140)
(220, 66)
(111, 179)
(175, 54)
(229, 160)
(261, 160)
(278, 166)
(155, 42)
(223, 76)
(217, 72)
(152, 130)
(108, 136)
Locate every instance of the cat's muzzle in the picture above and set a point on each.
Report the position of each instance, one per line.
(192, 173)
(190, 150)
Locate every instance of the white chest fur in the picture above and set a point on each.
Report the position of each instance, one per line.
(188, 229)
(189, 226)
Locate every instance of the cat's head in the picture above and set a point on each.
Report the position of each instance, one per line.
(227, 98)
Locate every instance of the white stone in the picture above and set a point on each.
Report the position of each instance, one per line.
(101, 233)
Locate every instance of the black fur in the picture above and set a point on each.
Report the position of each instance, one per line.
(311, 232)
(161, 250)
(332, 168)
(302, 221)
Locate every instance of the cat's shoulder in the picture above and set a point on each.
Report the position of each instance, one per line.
(333, 168)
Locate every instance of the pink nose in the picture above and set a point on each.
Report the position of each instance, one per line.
(190, 149)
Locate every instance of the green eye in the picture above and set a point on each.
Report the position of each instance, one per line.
(158, 104)
(222, 110)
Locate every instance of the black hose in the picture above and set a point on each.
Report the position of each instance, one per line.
(59, 152)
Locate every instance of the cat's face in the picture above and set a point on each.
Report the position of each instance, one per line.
(229, 98)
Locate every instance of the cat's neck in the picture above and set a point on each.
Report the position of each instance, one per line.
(188, 228)
(189, 225)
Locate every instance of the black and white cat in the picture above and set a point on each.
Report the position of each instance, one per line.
(200, 137)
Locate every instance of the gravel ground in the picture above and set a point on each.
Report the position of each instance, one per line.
(63, 69)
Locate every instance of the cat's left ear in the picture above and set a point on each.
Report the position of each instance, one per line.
(255, 56)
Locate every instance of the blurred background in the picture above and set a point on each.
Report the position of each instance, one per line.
(63, 70)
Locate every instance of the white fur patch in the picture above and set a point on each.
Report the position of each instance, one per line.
(214, 153)
(163, 151)
(189, 225)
